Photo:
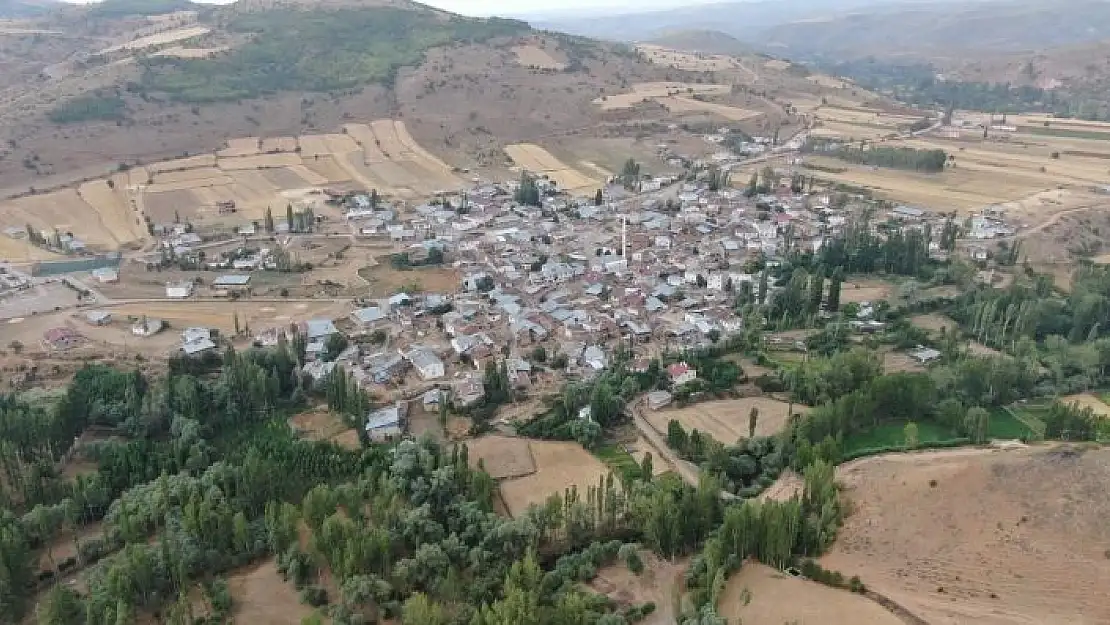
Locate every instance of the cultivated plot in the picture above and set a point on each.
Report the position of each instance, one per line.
(103, 225)
(688, 61)
(535, 56)
(1088, 400)
(503, 457)
(760, 595)
(653, 90)
(537, 160)
(682, 104)
(559, 466)
(159, 39)
(727, 421)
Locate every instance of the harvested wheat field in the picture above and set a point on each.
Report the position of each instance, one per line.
(504, 457)
(189, 162)
(111, 209)
(260, 161)
(760, 595)
(535, 56)
(66, 211)
(857, 291)
(537, 160)
(658, 583)
(240, 146)
(653, 90)
(262, 596)
(159, 39)
(900, 362)
(727, 421)
(279, 144)
(934, 322)
(680, 105)
(182, 52)
(777, 64)
(980, 536)
(317, 425)
(559, 466)
(1088, 400)
(688, 61)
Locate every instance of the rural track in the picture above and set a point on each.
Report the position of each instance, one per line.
(686, 470)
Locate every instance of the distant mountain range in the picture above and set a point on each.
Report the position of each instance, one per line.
(841, 29)
(18, 9)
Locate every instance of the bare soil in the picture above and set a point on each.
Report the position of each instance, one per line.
(992, 537)
(504, 457)
(317, 425)
(1088, 400)
(261, 596)
(660, 582)
(760, 595)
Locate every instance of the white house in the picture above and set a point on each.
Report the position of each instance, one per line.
(427, 364)
(179, 290)
(681, 373)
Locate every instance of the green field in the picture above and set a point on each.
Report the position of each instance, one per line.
(1007, 425)
(620, 461)
(893, 435)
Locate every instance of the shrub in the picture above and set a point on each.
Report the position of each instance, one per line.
(314, 596)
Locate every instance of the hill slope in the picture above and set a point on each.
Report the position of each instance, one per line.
(703, 41)
(19, 9)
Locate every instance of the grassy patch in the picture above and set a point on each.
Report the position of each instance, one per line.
(1007, 424)
(88, 108)
(893, 435)
(619, 461)
(1065, 133)
(320, 51)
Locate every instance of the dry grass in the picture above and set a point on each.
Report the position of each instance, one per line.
(653, 90)
(727, 421)
(777, 64)
(978, 536)
(537, 160)
(159, 39)
(658, 583)
(182, 52)
(262, 596)
(20, 251)
(760, 595)
(317, 425)
(680, 105)
(559, 466)
(899, 362)
(216, 314)
(240, 146)
(105, 225)
(934, 322)
(1088, 400)
(504, 457)
(688, 61)
(385, 280)
(534, 56)
(259, 161)
(857, 291)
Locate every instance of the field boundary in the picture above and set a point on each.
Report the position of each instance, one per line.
(1035, 425)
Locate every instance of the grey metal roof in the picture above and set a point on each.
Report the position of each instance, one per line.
(232, 280)
(368, 315)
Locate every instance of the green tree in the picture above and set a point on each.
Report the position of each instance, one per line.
(289, 217)
(977, 424)
(268, 223)
(909, 435)
(599, 199)
(753, 421)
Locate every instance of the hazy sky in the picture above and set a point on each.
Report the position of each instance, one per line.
(534, 7)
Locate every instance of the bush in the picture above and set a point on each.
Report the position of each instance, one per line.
(88, 108)
(314, 596)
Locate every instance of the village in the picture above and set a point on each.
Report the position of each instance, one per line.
(548, 282)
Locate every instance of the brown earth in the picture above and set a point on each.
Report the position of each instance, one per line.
(760, 595)
(559, 466)
(992, 537)
(660, 582)
(727, 421)
(261, 596)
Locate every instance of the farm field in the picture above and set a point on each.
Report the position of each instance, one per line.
(159, 39)
(1088, 400)
(107, 224)
(681, 104)
(688, 61)
(262, 596)
(537, 160)
(858, 291)
(20, 251)
(775, 598)
(559, 465)
(534, 56)
(727, 421)
(657, 583)
(654, 90)
(318, 424)
(1003, 425)
(504, 457)
(182, 52)
(934, 322)
(384, 280)
(992, 537)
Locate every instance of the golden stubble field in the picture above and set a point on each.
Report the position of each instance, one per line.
(532, 470)
(1024, 167)
(727, 420)
(688, 61)
(760, 595)
(982, 536)
(538, 161)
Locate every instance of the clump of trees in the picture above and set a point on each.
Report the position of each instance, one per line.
(89, 108)
(527, 192)
(914, 159)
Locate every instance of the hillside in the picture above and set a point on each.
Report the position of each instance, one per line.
(20, 9)
(703, 41)
(94, 88)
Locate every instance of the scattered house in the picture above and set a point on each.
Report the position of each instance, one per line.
(658, 399)
(681, 373)
(106, 275)
(469, 392)
(594, 357)
(197, 341)
(369, 317)
(385, 367)
(427, 364)
(432, 399)
(179, 290)
(99, 318)
(148, 327)
(385, 424)
(232, 282)
(318, 329)
(907, 212)
(924, 355)
(62, 338)
(318, 370)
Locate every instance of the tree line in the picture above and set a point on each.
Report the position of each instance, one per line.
(913, 159)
